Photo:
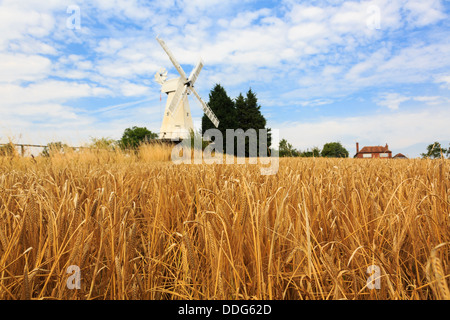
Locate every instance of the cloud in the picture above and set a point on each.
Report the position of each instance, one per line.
(444, 81)
(48, 91)
(422, 13)
(21, 67)
(432, 100)
(392, 100)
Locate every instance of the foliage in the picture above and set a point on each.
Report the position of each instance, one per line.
(435, 151)
(314, 153)
(249, 116)
(224, 109)
(287, 150)
(103, 143)
(243, 113)
(133, 137)
(334, 150)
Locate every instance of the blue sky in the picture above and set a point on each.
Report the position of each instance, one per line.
(375, 72)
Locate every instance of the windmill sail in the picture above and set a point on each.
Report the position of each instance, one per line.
(206, 109)
(179, 94)
(172, 58)
(194, 74)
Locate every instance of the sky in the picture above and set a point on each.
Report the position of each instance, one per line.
(374, 72)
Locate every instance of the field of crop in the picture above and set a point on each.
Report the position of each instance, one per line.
(140, 227)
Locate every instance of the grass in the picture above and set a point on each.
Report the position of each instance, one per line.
(141, 227)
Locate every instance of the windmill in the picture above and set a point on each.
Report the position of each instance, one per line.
(177, 121)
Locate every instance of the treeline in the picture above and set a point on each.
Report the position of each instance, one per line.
(329, 150)
(243, 112)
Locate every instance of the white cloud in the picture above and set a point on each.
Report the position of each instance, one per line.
(392, 100)
(19, 23)
(20, 67)
(444, 81)
(421, 13)
(47, 91)
(132, 90)
(432, 100)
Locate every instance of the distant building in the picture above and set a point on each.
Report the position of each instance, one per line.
(400, 156)
(373, 152)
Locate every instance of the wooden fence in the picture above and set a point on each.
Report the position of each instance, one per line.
(23, 146)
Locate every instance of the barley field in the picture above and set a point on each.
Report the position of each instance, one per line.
(138, 226)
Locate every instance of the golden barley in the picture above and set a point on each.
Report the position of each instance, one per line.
(141, 227)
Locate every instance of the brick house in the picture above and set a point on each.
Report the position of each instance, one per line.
(373, 152)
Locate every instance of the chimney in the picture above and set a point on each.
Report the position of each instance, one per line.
(357, 147)
(387, 147)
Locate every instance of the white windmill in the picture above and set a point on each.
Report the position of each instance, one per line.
(177, 122)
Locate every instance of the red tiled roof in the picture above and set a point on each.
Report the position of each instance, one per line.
(399, 155)
(377, 149)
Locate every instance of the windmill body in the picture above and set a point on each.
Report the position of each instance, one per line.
(177, 121)
(180, 124)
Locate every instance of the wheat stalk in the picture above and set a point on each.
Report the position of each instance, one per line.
(436, 276)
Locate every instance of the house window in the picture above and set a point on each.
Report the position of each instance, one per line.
(384, 155)
(367, 155)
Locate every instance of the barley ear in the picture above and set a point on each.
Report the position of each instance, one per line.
(26, 294)
(436, 276)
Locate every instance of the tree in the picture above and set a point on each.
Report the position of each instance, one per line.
(435, 151)
(248, 116)
(243, 113)
(248, 112)
(133, 137)
(224, 109)
(103, 143)
(314, 153)
(287, 150)
(334, 150)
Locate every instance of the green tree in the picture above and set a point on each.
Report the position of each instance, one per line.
(286, 149)
(334, 150)
(435, 151)
(224, 109)
(249, 116)
(244, 113)
(135, 136)
(103, 143)
(315, 152)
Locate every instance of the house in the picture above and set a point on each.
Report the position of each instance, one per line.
(400, 156)
(373, 152)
